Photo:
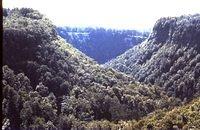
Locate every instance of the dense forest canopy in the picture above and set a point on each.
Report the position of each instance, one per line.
(48, 84)
(169, 58)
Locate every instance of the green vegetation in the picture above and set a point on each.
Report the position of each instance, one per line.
(49, 84)
(169, 58)
(184, 117)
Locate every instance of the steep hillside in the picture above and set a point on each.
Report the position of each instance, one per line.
(49, 84)
(181, 118)
(94, 41)
(170, 57)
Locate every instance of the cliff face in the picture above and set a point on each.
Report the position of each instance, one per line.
(170, 57)
(177, 30)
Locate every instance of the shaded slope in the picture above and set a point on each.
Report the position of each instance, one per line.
(48, 83)
(184, 117)
(170, 57)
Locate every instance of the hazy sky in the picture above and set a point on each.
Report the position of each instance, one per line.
(127, 14)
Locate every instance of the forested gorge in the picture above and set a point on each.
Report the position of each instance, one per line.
(48, 84)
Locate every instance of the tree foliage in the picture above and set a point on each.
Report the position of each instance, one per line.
(48, 84)
(169, 57)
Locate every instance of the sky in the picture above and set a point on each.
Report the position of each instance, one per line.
(119, 14)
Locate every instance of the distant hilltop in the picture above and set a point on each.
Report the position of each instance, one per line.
(101, 44)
